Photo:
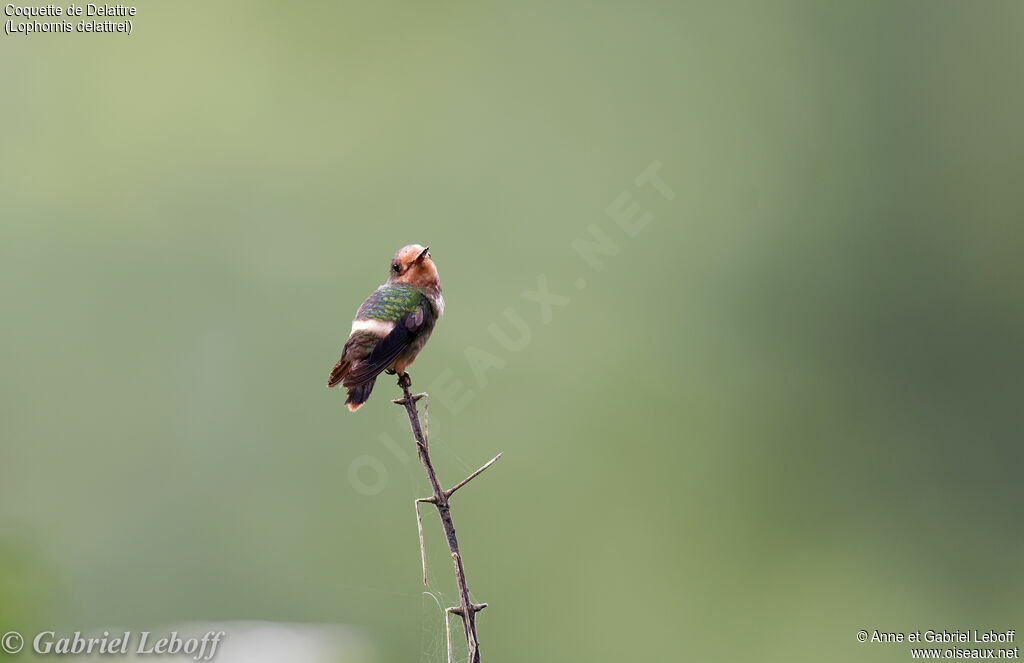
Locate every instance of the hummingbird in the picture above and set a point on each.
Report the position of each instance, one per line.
(391, 326)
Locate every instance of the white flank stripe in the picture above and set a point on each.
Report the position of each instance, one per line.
(378, 327)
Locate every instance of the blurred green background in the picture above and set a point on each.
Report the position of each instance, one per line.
(786, 410)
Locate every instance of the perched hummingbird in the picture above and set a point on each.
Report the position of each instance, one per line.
(392, 325)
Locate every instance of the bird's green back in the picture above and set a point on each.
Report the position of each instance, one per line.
(391, 301)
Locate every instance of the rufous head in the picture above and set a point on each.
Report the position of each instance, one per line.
(413, 265)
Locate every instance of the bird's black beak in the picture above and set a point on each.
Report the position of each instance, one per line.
(425, 253)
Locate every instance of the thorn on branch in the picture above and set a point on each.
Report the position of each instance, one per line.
(475, 607)
(451, 491)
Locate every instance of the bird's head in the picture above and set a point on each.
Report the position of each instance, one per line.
(412, 265)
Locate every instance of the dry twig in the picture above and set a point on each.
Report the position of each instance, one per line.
(466, 609)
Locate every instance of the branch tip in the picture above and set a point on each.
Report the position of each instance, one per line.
(451, 491)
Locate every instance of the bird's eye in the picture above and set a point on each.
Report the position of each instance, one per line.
(395, 268)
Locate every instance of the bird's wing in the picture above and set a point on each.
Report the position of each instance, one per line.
(358, 346)
(415, 312)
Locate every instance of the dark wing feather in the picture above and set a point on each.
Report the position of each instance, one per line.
(338, 372)
(389, 348)
(358, 346)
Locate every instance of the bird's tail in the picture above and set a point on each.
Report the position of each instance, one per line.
(357, 395)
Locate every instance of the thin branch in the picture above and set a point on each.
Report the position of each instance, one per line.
(419, 528)
(448, 631)
(472, 476)
(426, 418)
(466, 608)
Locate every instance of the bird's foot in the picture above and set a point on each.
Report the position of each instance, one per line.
(389, 371)
(404, 380)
